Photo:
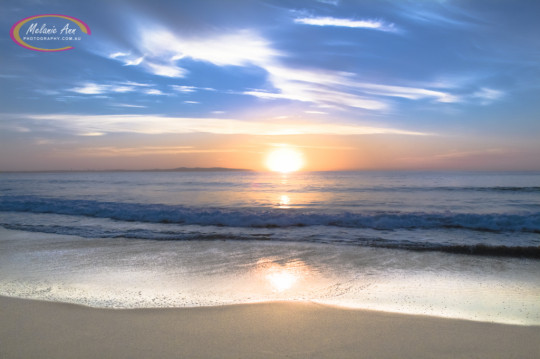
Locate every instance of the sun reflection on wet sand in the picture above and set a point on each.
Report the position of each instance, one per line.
(281, 278)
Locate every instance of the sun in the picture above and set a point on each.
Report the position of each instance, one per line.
(284, 160)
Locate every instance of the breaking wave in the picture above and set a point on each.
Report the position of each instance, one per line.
(273, 217)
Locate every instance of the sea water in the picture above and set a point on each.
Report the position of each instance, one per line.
(452, 244)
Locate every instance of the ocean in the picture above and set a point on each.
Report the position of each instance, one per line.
(451, 244)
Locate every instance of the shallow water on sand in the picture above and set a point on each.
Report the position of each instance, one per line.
(128, 273)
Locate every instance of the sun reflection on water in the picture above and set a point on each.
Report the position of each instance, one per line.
(284, 201)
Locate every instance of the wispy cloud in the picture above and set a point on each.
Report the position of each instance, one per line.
(160, 50)
(166, 70)
(154, 124)
(92, 88)
(138, 84)
(487, 95)
(465, 154)
(127, 58)
(341, 89)
(115, 55)
(92, 134)
(154, 92)
(440, 14)
(236, 48)
(190, 89)
(134, 62)
(127, 105)
(184, 89)
(411, 93)
(115, 151)
(320, 147)
(331, 21)
(433, 17)
(329, 2)
(121, 89)
(315, 86)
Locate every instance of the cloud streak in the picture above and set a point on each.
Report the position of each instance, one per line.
(331, 21)
(115, 151)
(155, 124)
(487, 95)
(92, 88)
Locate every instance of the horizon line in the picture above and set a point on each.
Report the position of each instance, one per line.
(230, 169)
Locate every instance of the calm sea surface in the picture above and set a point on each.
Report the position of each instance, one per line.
(359, 239)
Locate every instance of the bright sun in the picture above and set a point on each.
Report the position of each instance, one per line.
(284, 160)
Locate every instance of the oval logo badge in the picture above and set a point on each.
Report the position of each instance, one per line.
(48, 32)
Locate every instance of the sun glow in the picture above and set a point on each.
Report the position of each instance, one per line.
(284, 160)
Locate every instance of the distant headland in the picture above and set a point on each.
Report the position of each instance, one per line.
(196, 169)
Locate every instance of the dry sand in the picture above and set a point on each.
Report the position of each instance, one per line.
(36, 329)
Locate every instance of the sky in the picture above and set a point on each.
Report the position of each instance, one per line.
(350, 85)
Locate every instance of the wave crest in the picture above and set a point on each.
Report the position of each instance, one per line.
(270, 217)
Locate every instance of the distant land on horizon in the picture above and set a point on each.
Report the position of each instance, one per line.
(179, 169)
(195, 169)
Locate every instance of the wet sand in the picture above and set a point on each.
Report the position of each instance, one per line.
(37, 329)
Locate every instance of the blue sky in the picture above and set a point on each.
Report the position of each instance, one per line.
(351, 84)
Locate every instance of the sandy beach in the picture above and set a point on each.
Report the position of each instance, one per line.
(36, 329)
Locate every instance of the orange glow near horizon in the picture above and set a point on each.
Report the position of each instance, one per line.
(285, 160)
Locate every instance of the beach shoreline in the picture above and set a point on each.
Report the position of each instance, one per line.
(33, 328)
